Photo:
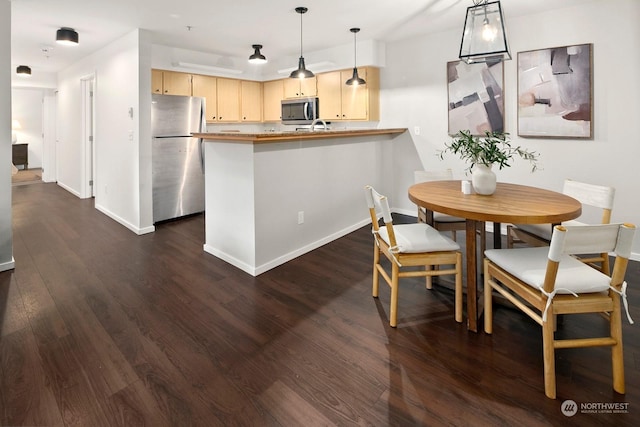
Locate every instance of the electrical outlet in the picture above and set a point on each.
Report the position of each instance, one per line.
(301, 217)
(416, 130)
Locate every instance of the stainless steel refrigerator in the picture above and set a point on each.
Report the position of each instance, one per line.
(177, 157)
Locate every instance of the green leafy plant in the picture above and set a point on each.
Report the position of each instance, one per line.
(494, 148)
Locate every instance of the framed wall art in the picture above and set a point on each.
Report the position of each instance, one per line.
(475, 95)
(555, 92)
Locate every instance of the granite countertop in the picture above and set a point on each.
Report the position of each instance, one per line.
(265, 137)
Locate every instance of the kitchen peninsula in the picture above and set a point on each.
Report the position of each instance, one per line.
(273, 196)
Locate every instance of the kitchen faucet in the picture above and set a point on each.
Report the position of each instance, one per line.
(315, 122)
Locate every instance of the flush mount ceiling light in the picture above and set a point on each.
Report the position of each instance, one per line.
(301, 72)
(257, 57)
(355, 79)
(23, 70)
(67, 36)
(484, 38)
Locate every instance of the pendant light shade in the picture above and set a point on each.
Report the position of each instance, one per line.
(257, 57)
(301, 72)
(23, 70)
(355, 79)
(484, 38)
(67, 36)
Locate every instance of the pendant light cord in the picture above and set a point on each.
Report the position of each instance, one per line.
(301, 13)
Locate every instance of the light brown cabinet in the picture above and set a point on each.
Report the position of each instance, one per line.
(156, 81)
(174, 83)
(251, 101)
(273, 93)
(228, 100)
(206, 87)
(338, 101)
(296, 88)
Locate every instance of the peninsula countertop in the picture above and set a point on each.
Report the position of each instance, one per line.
(266, 137)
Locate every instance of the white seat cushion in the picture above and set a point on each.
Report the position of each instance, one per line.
(529, 265)
(543, 230)
(418, 237)
(441, 217)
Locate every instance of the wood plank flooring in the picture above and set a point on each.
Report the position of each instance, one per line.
(100, 327)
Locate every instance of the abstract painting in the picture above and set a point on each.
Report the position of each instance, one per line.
(555, 92)
(476, 101)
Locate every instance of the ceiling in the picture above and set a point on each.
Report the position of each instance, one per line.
(229, 28)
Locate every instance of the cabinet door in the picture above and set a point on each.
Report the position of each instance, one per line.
(273, 93)
(329, 92)
(228, 100)
(308, 87)
(175, 83)
(355, 100)
(291, 88)
(251, 101)
(156, 81)
(206, 87)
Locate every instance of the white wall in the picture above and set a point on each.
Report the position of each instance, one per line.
(121, 143)
(414, 93)
(6, 234)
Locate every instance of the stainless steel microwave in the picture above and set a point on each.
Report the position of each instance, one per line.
(300, 111)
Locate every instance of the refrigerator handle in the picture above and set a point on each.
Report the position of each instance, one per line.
(203, 128)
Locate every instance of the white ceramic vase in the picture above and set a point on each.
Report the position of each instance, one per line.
(483, 179)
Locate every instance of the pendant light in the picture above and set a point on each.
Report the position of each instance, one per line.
(23, 70)
(67, 36)
(484, 38)
(301, 72)
(257, 57)
(355, 79)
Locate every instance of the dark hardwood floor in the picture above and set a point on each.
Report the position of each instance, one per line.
(101, 327)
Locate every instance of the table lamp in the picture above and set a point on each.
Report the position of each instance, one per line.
(15, 125)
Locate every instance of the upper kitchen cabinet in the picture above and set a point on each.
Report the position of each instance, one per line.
(339, 101)
(273, 93)
(295, 88)
(156, 81)
(228, 100)
(173, 82)
(207, 88)
(251, 101)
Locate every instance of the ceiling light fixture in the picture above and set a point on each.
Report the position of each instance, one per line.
(484, 38)
(67, 36)
(23, 70)
(355, 79)
(301, 72)
(257, 57)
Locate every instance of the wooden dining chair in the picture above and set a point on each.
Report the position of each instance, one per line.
(598, 196)
(442, 221)
(547, 281)
(410, 245)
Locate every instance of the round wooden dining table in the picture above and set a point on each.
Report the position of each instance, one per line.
(511, 203)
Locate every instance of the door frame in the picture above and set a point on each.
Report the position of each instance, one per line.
(88, 168)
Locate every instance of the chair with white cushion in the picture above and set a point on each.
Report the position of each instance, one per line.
(410, 245)
(598, 196)
(441, 221)
(547, 281)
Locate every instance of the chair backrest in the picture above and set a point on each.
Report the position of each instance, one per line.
(435, 175)
(379, 204)
(586, 239)
(598, 196)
